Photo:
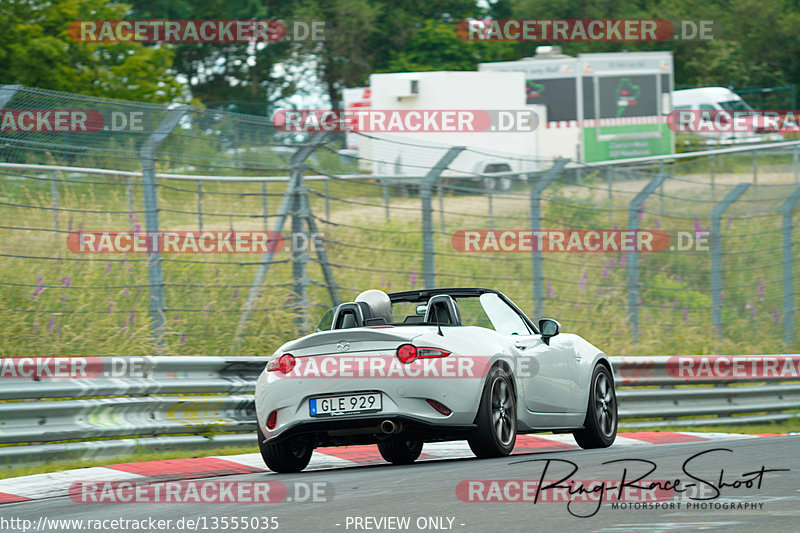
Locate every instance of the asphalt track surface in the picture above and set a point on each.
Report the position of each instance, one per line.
(428, 489)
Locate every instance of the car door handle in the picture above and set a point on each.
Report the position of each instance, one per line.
(519, 346)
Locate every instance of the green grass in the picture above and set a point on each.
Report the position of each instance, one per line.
(60, 465)
(205, 293)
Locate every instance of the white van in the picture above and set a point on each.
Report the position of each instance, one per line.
(716, 99)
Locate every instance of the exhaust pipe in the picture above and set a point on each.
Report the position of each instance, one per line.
(389, 427)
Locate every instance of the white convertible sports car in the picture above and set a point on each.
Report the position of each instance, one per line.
(406, 368)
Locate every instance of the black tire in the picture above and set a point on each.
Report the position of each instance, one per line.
(600, 426)
(287, 456)
(496, 433)
(402, 452)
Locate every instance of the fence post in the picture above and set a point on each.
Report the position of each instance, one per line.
(295, 180)
(200, 205)
(327, 272)
(327, 199)
(426, 195)
(794, 163)
(633, 258)
(300, 226)
(7, 92)
(788, 267)
(610, 184)
(537, 272)
(385, 198)
(716, 253)
(155, 273)
(54, 194)
(491, 209)
(264, 205)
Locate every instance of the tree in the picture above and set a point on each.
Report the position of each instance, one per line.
(436, 46)
(36, 50)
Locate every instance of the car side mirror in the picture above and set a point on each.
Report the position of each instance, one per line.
(549, 328)
(422, 309)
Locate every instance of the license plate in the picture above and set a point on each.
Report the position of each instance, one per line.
(349, 404)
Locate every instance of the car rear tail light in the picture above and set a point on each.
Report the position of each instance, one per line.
(284, 363)
(407, 353)
(439, 407)
(272, 420)
(425, 353)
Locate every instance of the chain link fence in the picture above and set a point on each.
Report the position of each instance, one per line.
(724, 281)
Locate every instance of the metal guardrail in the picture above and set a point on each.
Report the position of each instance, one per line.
(137, 397)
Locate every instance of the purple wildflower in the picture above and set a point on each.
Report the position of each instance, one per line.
(126, 292)
(183, 339)
(600, 291)
(622, 261)
(39, 287)
(605, 272)
(730, 221)
(582, 285)
(108, 268)
(697, 227)
(35, 326)
(69, 225)
(132, 317)
(110, 304)
(775, 315)
(549, 290)
(412, 278)
(235, 295)
(656, 223)
(66, 281)
(675, 304)
(761, 290)
(50, 324)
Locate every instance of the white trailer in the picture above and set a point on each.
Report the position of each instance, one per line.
(412, 153)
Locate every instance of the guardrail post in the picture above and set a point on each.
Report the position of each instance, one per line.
(296, 165)
(537, 273)
(426, 195)
(633, 258)
(155, 273)
(716, 253)
(788, 267)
